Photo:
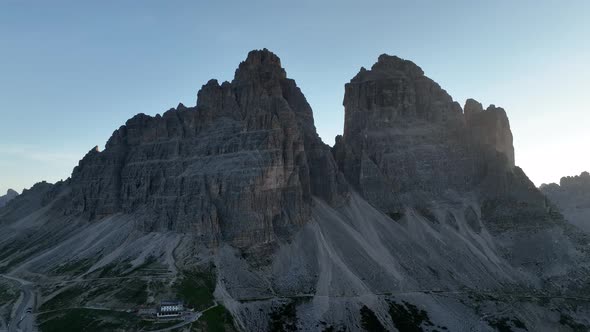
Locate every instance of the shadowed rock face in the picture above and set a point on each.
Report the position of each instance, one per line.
(572, 197)
(489, 128)
(405, 137)
(395, 93)
(241, 166)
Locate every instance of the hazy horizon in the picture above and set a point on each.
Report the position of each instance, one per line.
(73, 73)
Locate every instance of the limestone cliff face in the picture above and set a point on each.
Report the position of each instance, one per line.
(395, 93)
(405, 139)
(242, 166)
(397, 126)
(245, 163)
(490, 128)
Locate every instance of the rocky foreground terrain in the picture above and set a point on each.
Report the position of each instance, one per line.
(417, 219)
(572, 196)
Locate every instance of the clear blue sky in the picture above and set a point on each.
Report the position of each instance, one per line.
(71, 72)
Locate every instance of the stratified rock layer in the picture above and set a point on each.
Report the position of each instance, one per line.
(406, 139)
(242, 166)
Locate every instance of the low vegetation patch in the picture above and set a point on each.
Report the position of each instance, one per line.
(65, 299)
(115, 269)
(369, 320)
(8, 293)
(133, 291)
(90, 320)
(567, 320)
(196, 288)
(408, 318)
(74, 267)
(505, 324)
(86, 320)
(284, 318)
(216, 319)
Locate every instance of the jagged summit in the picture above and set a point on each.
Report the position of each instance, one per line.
(395, 92)
(389, 66)
(404, 135)
(490, 127)
(260, 66)
(471, 107)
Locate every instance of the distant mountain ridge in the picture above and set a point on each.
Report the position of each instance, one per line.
(572, 196)
(10, 194)
(418, 215)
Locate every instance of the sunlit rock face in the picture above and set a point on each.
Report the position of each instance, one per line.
(572, 197)
(242, 166)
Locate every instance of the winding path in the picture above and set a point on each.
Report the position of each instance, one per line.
(22, 321)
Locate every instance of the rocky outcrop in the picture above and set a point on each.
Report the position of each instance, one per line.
(397, 127)
(490, 128)
(403, 134)
(395, 93)
(572, 197)
(10, 194)
(242, 166)
(406, 141)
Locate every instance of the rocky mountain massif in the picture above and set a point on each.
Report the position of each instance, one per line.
(10, 194)
(417, 219)
(572, 196)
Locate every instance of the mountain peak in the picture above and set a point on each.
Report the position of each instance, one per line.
(389, 66)
(471, 107)
(260, 65)
(10, 194)
(387, 62)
